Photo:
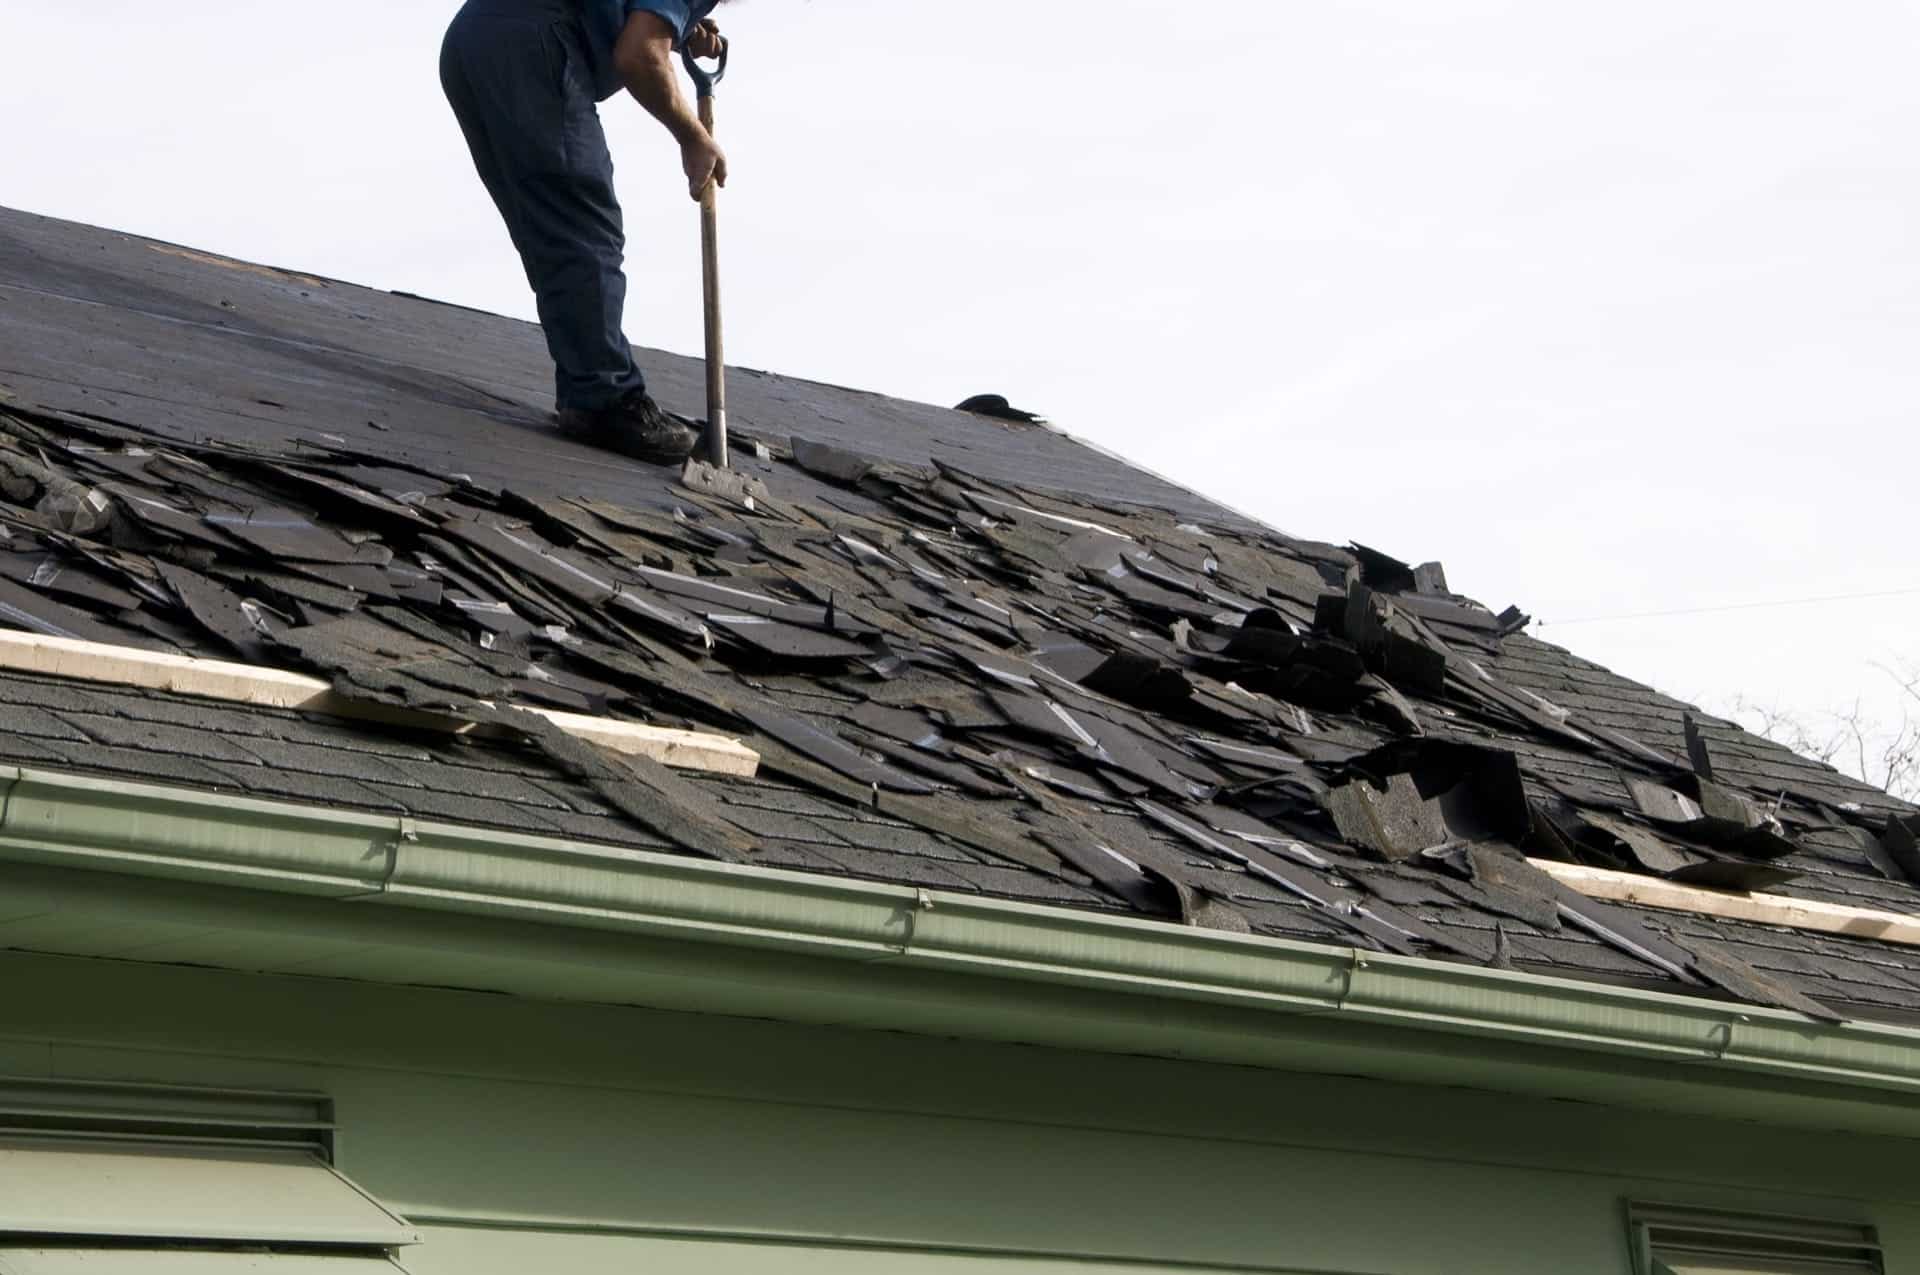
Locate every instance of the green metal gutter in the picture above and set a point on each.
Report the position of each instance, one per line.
(956, 965)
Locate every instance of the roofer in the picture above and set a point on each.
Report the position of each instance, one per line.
(524, 77)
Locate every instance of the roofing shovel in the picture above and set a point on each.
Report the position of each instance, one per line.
(704, 82)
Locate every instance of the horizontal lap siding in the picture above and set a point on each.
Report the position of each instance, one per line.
(581, 1139)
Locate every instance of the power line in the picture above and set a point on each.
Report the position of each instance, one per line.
(1736, 606)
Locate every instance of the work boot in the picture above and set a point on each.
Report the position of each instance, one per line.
(635, 426)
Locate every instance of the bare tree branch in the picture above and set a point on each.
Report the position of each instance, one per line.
(1886, 755)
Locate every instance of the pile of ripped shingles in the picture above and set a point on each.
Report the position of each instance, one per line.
(1038, 680)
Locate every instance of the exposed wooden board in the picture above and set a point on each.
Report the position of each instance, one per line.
(278, 688)
(1762, 909)
(685, 749)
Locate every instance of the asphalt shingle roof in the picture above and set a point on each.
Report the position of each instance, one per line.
(976, 655)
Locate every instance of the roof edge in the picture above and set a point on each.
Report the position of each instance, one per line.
(1133, 986)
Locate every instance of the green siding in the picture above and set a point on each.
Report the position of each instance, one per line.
(531, 1136)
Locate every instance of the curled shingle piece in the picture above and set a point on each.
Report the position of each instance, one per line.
(996, 406)
(835, 463)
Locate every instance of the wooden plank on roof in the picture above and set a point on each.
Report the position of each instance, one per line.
(1761, 909)
(262, 687)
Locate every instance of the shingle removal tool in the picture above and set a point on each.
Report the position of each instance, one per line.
(704, 83)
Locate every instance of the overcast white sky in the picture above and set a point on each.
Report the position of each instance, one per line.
(1613, 308)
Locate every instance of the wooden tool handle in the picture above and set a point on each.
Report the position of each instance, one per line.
(710, 286)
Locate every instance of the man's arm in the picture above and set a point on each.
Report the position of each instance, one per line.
(644, 58)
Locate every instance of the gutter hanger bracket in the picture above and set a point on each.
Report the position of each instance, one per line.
(406, 833)
(1351, 976)
(922, 902)
(1722, 1047)
(10, 776)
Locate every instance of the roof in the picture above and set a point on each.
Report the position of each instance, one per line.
(976, 655)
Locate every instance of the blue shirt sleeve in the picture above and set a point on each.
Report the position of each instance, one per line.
(678, 14)
(604, 18)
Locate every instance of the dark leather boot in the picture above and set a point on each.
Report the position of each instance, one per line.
(635, 426)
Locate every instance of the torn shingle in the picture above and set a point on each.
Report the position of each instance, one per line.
(243, 625)
(828, 749)
(834, 463)
(29, 610)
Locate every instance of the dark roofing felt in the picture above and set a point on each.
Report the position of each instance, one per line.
(975, 655)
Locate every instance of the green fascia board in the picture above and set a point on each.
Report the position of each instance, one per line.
(1181, 977)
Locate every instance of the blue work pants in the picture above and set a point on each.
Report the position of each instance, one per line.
(516, 73)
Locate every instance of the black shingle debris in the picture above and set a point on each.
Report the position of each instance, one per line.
(1899, 842)
(996, 406)
(951, 681)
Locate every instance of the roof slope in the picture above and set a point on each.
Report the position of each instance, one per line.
(975, 656)
(193, 346)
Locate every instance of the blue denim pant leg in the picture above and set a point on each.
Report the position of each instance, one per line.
(516, 75)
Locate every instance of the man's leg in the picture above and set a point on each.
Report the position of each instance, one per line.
(467, 110)
(519, 89)
(576, 249)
